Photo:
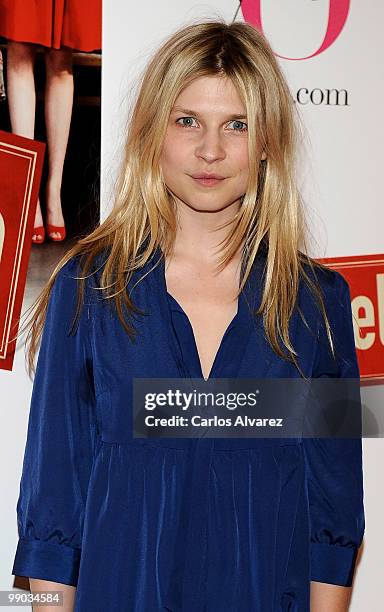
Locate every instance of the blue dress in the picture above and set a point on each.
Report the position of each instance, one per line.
(182, 525)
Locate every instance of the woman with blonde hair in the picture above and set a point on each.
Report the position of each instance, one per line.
(200, 271)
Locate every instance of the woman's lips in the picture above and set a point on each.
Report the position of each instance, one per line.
(208, 182)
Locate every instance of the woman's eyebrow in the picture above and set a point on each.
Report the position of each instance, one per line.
(189, 111)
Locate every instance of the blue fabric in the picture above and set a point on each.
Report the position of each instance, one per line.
(201, 525)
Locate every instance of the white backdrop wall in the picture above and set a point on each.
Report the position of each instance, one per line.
(342, 175)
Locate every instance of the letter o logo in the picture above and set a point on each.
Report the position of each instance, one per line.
(338, 13)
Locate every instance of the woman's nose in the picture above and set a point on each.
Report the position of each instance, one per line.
(211, 146)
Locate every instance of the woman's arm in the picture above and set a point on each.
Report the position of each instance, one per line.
(60, 444)
(329, 597)
(334, 468)
(69, 593)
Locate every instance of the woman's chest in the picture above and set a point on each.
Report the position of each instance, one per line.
(165, 348)
(208, 303)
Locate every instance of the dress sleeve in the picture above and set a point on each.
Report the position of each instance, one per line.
(334, 465)
(58, 455)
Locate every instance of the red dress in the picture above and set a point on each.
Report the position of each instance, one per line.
(53, 23)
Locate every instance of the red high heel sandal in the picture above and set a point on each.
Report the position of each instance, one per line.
(59, 229)
(39, 233)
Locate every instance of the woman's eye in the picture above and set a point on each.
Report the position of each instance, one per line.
(185, 119)
(242, 129)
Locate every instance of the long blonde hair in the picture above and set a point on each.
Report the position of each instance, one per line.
(143, 216)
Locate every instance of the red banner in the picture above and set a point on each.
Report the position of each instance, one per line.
(365, 276)
(21, 162)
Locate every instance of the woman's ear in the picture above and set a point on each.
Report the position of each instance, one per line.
(263, 155)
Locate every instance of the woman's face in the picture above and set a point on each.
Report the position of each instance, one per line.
(207, 134)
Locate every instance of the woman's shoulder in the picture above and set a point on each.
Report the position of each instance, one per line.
(334, 289)
(73, 270)
(331, 282)
(73, 288)
(70, 269)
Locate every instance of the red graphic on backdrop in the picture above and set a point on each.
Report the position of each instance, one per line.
(21, 161)
(338, 13)
(365, 276)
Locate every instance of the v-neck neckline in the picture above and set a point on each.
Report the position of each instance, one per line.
(229, 327)
(242, 320)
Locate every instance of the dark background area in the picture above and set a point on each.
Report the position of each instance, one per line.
(80, 191)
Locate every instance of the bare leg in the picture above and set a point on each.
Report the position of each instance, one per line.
(58, 112)
(22, 95)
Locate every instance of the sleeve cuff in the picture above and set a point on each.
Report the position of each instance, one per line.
(333, 564)
(47, 561)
